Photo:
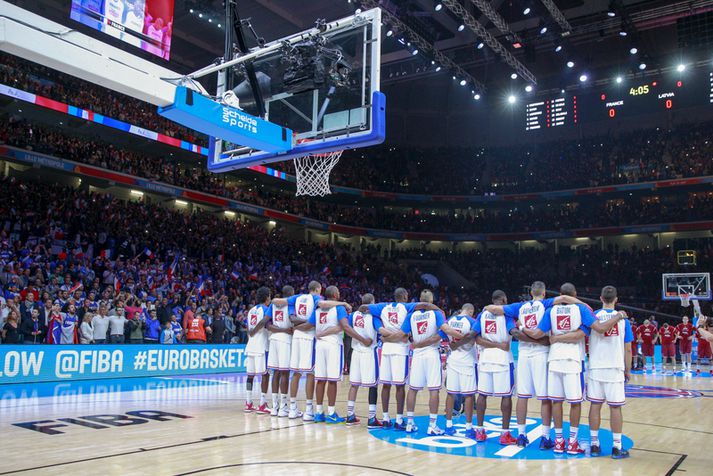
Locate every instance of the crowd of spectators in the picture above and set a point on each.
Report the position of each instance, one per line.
(37, 79)
(590, 212)
(85, 267)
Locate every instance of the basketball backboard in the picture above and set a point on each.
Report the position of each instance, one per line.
(697, 286)
(321, 84)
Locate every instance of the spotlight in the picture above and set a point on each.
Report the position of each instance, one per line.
(480, 45)
(570, 64)
(611, 13)
(543, 30)
(681, 68)
(583, 78)
(558, 48)
(438, 68)
(562, 91)
(512, 99)
(200, 15)
(463, 82)
(454, 78)
(461, 27)
(220, 26)
(633, 50)
(191, 10)
(513, 76)
(210, 20)
(414, 52)
(619, 79)
(477, 97)
(390, 33)
(433, 62)
(642, 66)
(526, 11)
(528, 88)
(438, 7)
(623, 33)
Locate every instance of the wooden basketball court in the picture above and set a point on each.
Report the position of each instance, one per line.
(209, 433)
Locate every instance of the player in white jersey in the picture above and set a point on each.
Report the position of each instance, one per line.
(278, 360)
(134, 18)
(565, 377)
(609, 369)
(496, 373)
(328, 355)
(364, 366)
(426, 370)
(461, 372)
(394, 364)
(256, 350)
(532, 359)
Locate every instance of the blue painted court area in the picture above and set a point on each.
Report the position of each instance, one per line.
(459, 445)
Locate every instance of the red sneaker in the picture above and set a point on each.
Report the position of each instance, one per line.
(249, 407)
(574, 449)
(559, 445)
(480, 435)
(263, 410)
(507, 439)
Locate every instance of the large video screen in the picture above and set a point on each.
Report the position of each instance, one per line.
(146, 24)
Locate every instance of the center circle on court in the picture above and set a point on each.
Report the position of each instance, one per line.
(459, 445)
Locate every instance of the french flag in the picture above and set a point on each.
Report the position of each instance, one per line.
(200, 286)
(172, 267)
(76, 286)
(117, 284)
(326, 270)
(253, 276)
(148, 253)
(106, 254)
(235, 275)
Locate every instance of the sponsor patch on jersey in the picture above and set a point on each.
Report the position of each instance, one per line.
(491, 327)
(394, 318)
(421, 327)
(253, 320)
(359, 321)
(614, 331)
(278, 317)
(530, 321)
(564, 322)
(323, 317)
(302, 309)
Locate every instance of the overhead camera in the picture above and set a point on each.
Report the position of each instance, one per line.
(312, 64)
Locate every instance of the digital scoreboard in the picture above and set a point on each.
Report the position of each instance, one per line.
(644, 98)
(554, 112)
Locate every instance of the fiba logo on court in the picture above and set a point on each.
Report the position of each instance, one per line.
(359, 321)
(421, 327)
(564, 323)
(278, 316)
(234, 118)
(531, 321)
(322, 317)
(393, 318)
(491, 327)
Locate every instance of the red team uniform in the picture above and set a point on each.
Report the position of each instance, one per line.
(686, 332)
(704, 347)
(647, 334)
(668, 341)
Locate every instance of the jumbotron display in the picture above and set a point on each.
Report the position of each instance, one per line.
(622, 100)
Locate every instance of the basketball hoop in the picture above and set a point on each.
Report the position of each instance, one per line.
(685, 300)
(312, 171)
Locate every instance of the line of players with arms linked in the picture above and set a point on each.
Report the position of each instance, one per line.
(396, 344)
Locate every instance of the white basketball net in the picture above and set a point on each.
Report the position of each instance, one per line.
(313, 171)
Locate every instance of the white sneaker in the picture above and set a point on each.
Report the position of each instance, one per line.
(273, 411)
(411, 428)
(434, 430)
(284, 411)
(307, 416)
(294, 414)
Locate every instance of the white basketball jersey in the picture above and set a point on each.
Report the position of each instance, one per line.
(363, 324)
(304, 307)
(494, 329)
(566, 318)
(392, 318)
(424, 326)
(258, 343)
(530, 315)
(463, 356)
(323, 320)
(606, 351)
(281, 319)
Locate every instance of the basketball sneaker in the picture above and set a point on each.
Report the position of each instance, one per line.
(546, 443)
(294, 414)
(411, 428)
(470, 434)
(283, 412)
(559, 445)
(263, 410)
(507, 439)
(249, 407)
(595, 451)
(352, 420)
(307, 417)
(480, 435)
(319, 418)
(374, 424)
(399, 426)
(574, 449)
(617, 453)
(274, 411)
(450, 431)
(434, 431)
(386, 424)
(522, 441)
(333, 419)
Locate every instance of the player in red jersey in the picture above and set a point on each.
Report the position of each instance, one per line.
(637, 358)
(668, 335)
(705, 338)
(647, 336)
(685, 344)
